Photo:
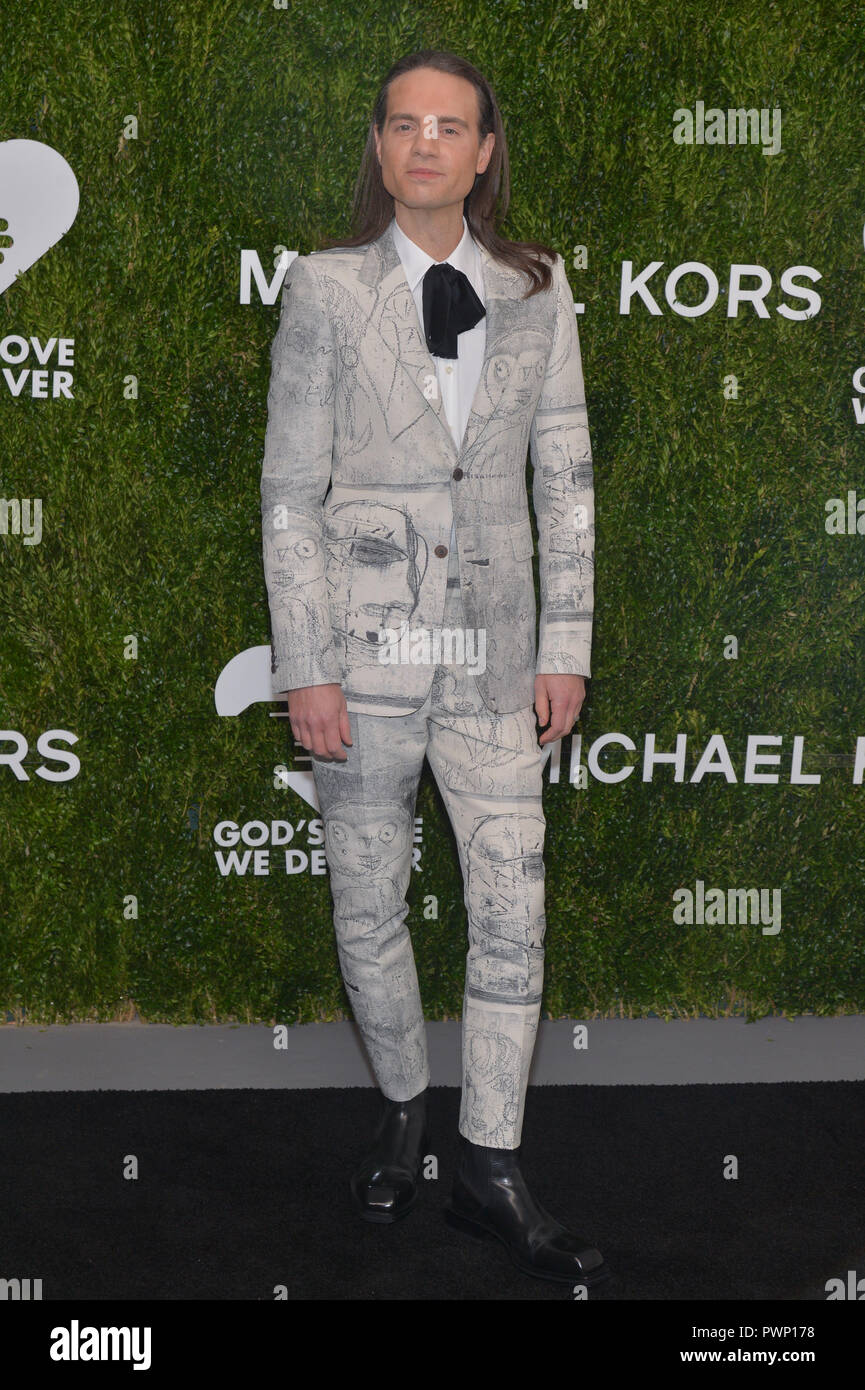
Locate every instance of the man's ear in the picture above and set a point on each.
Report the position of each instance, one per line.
(492, 139)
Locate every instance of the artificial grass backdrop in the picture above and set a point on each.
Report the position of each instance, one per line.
(197, 132)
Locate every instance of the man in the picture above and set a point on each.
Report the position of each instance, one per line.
(413, 366)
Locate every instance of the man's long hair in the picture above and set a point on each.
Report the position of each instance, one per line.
(489, 196)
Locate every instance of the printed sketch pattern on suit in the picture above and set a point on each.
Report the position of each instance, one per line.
(358, 494)
(488, 769)
(358, 449)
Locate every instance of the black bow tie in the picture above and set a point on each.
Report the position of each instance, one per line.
(450, 306)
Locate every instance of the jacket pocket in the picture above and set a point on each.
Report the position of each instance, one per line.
(521, 539)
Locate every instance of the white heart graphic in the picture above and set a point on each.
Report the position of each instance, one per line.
(39, 200)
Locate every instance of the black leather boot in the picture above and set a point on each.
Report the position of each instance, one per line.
(490, 1198)
(385, 1186)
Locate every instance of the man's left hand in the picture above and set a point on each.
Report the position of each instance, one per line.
(558, 700)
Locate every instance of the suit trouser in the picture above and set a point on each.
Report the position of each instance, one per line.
(488, 768)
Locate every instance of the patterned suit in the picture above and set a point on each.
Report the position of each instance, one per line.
(361, 481)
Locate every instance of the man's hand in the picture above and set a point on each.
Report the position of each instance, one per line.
(558, 700)
(319, 719)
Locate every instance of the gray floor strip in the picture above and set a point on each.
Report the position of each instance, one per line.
(617, 1052)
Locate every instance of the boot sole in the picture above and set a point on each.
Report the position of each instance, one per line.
(469, 1226)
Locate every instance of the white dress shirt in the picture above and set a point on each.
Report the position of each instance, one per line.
(457, 380)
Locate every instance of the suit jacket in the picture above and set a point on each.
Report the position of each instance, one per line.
(361, 478)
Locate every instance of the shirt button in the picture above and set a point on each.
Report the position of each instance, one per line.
(457, 473)
(441, 551)
(449, 370)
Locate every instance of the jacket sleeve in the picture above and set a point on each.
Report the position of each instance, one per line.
(295, 476)
(563, 498)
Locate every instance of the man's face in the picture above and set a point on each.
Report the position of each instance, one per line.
(431, 126)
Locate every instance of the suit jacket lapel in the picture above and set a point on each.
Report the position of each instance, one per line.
(393, 314)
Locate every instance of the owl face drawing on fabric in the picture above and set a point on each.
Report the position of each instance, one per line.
(512, 380)
(363, 841)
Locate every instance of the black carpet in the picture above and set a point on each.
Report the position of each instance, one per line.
(242, 1191)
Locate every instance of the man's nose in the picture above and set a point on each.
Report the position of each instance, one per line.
(426, 143)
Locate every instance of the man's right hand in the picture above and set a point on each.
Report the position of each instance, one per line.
(318, 716)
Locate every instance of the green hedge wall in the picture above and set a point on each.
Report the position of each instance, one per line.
(711, 501)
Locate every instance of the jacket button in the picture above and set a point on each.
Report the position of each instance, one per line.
(457, 473)
(441, 551)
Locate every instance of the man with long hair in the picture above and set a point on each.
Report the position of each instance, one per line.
(414, 364)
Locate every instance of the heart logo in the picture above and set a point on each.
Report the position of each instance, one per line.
(39, 202)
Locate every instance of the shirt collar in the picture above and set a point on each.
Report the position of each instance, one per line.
(416, 262)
